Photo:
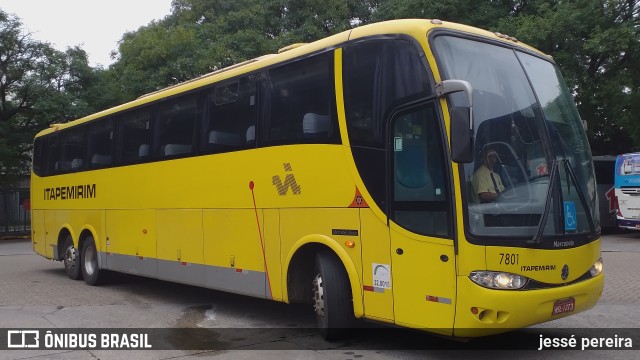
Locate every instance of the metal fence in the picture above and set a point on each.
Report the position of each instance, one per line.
(14, 217)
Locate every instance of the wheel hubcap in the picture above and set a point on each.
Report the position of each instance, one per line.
(90, 262)
(318, 295)
(70, 258)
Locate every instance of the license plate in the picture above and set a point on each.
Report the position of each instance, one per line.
(564, 306)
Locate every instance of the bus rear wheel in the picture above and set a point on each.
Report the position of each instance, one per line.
(90, 269)
(71, 259)
(332, 301)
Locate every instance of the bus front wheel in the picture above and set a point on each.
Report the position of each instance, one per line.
(332, 297)
(71, 259)
(90, 270)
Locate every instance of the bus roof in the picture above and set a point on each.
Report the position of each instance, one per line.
(416, 27)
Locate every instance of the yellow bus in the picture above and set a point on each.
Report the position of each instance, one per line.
(352, 174)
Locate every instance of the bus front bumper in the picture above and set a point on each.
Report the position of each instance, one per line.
(481, 311)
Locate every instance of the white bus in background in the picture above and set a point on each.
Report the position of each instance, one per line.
(627, 190)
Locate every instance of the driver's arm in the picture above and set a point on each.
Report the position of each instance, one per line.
(487, 196)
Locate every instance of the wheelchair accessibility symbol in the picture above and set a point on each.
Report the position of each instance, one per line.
(570, 219)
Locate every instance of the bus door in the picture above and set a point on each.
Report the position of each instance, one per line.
(422, 253)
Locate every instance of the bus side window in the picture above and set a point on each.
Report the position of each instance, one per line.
(134, 135)
(302, 102)
(231, 110)
(50, 157)
(420, 197)
(378, 73)
(71, 151)
(176, 123)
(100, 143)
(39, 158)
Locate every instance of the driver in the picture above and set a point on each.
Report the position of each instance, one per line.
(487, 184)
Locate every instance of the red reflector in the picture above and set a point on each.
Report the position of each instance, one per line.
(238, 270)
(367, 288)
(432, 298)
(184, 263)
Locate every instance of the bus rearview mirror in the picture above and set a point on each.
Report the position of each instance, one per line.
(461, 120)
(461, 135)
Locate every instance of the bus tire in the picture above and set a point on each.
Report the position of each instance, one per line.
(90, 269)
(332, 301)
(71, 259)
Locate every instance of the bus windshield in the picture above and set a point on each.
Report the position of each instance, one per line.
(532, 176)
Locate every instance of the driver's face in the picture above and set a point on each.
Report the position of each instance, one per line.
(490, 159)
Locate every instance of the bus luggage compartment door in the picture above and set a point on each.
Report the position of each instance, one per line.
(423, 282)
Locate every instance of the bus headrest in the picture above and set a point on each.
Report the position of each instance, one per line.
(316, 125)
(144, 150)
(76, 163)
(98, 159)
(224, 138)
(251, 134)
(176, 149)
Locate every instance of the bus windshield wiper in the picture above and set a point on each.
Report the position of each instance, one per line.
(547, 204)
(571, 176)
(583, 200)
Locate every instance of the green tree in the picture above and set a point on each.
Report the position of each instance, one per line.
(201, 36)
(38, 85)
(597, 45)
(484, 14)
(197, 38)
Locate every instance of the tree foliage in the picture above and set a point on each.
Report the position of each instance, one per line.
(38, 85)
(201, 36)
(597, 45)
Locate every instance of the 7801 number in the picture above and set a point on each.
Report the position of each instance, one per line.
(509, 259)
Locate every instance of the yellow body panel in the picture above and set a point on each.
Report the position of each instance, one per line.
(38, 233)
(51, 229)
(232, 239)
(131, 232)
(376, 249)
(544, 265)
(179, 235)
(424, 275)
(270, 225)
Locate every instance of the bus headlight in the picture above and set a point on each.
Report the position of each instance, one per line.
(596, 269)
(498, 280)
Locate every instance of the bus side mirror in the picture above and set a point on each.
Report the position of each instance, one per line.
(461, 135)
(461, 120)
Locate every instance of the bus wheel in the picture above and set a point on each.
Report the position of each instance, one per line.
(71, 259)
(332, 297)
(90, 270)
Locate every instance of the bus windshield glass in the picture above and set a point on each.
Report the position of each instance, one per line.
(526, 129)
